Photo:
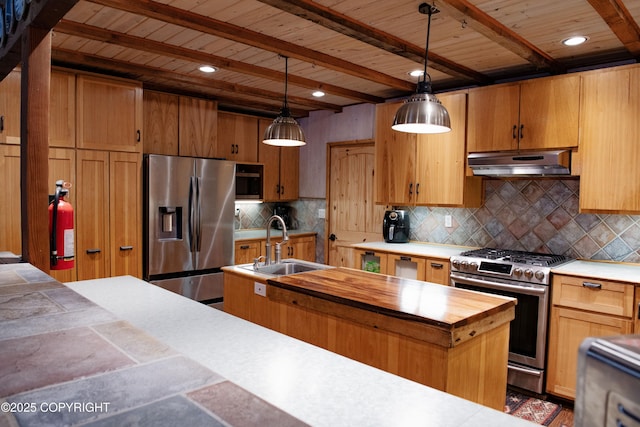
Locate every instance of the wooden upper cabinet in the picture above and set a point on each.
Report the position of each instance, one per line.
(62, 111)
(198, 127)
(534, 114)
(419, 169)
(281, 169)
(238, 137)
(109, 114)
(610, 178)
(10, 108)
(161, 132)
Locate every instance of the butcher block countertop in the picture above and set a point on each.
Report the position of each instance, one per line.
(438, 314)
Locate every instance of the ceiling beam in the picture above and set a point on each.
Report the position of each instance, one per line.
(146, 73)
(163, 49)
(473, 17)
(618, 18)
(348, 26)
(187, 19)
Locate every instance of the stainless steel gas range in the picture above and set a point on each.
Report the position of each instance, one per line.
(521, 275)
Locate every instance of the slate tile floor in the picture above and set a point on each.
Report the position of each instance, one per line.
(58, 348)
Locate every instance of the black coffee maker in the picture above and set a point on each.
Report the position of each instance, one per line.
(396, 226)
(284, 212)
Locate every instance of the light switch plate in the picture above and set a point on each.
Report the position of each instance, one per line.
(448, 221)
(321, 213)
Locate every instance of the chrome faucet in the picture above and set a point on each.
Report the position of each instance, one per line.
(285, 238)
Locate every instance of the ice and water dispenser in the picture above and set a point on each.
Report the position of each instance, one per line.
(170, 222)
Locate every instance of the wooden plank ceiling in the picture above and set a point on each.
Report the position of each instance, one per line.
(354, 50)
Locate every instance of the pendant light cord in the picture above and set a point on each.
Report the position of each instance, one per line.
(286, 83)
(424, 86)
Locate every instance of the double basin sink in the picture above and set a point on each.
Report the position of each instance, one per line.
(287, 266)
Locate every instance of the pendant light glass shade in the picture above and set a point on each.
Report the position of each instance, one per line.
(422, 112)
(284, 131)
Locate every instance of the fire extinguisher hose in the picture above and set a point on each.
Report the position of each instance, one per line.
(53, 242)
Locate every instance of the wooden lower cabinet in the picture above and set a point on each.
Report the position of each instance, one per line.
(246, 251)
(301, 247)
(427, 269)
(375, 262)
(583, 307)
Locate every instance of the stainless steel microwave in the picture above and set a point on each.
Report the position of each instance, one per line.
(249, 181)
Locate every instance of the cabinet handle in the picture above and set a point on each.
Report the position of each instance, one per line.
(277, 188)
(237, 149)
(282, 189)
(513, 131)
(138, 135)
(126, 248)
(592, 285)
(244, 246)
(417, 188)
(1, 123)
(410, 188)
(93, 251)
(521, 131)
(405, 258)
(436, 265)
(369, 253)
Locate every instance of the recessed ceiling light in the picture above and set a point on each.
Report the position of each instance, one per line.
(416, 73)
(207, 69)
(574, 41)
(318, 94)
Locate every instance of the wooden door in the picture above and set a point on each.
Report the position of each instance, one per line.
(238, 137)
(62, 166)
(198, 127)
(125, 213)
(10, 108)
(92, 214)
(610, 153)
(62, 112)
(289, 173)
(161, 112)
(441, 158)
(395, 157)
(109, 114)
(352, 215)
(493, 118)
(10, 214)
(549, 112)
(567, 331)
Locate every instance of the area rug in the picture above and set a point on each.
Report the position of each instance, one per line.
(530, 408)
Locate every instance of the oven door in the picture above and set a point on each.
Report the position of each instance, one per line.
(528, 330)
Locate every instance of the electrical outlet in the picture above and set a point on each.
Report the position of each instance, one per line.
(448, 221)
(237, 212)
(260, 289)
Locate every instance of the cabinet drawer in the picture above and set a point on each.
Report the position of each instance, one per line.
(600, 296)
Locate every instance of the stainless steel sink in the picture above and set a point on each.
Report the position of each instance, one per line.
(287, 266)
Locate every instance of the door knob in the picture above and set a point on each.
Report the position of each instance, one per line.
(332, 237)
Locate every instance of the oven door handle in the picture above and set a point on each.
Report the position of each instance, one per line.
(499, 286)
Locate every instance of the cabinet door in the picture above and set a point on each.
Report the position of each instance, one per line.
(493, 118)
(198, 127)
(395, 171)
(10, 214)
(636, 327)
(125, 213)
(246, 252)
(109, 114)
(62, 112)
(409, 267)
(62, 165)
(549, 112)
(441, 158)
(10, 108)
(303, 248)
(238, 137)
(438, 271)
(269, 156)
(161, 112)
(567, 331)
(376, 262)
(610, 177)
(289, 173)
(92, 218)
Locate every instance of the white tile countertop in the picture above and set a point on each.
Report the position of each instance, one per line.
(601, 270)
(318, 387)
(415, 248)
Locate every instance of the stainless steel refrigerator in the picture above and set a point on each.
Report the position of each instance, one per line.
(188, 231)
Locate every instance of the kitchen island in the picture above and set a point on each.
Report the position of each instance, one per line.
(447, 338)
(120, 349)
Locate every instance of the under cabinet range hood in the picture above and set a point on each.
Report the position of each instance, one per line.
(521, 164)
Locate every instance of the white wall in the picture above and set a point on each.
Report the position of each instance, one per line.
(322, 127)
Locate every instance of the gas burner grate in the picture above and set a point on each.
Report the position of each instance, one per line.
(520, 257)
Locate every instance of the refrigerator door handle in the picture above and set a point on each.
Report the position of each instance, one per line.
(192, 222)
(198, 215)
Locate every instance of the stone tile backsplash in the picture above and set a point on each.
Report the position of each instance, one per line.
(538, 215)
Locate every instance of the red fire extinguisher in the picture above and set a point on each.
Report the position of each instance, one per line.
(61, 229)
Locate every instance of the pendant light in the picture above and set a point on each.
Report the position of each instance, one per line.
(284, 131)
(422, 112)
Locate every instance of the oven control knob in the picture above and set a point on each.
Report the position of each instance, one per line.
(528, 273)
(539, 275)
(456, 263)
(473, 265)
(464, 264)
(517, 271)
